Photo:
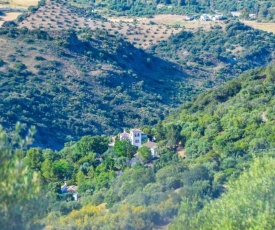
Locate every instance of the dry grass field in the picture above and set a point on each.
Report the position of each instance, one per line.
(18, 3)
(268, 26)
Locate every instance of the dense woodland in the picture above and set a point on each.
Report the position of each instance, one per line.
(70, 84)
(221, 53)
(228, 138)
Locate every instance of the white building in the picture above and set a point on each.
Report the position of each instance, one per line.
(217, 17)
(189, 18)
(135, 136)
(70, 189)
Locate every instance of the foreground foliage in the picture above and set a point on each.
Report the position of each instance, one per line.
(248, 203)
(21, 195)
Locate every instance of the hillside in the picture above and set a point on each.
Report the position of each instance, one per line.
(60, 15)
(71, 84)
(218, 54)
(69, 87)
(223, 132)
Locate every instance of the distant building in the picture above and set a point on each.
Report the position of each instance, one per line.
(136, 137)
(189, 18)
(252, 16)
(236, 14)
(205, 17)
(217, 17)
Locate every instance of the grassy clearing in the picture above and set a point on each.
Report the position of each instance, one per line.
(269, 26)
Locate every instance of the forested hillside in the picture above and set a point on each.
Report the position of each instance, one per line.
(222, 132)
(219, 54)
(248, 203)
(70, 84)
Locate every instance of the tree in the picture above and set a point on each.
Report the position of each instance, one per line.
(96, 144)
(244, 14)
(21, 194)
(145, 154)
(120, 163)
(124, 148)
(160, 132)
(34, 158)
(80, 177)
(173, 135)
(47, 170)
(62, 169)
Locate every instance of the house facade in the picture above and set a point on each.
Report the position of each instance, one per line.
(135, 136)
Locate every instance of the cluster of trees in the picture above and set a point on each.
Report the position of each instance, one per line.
(224, 132)
(101, 92)
(22, 199)
(139, 198)
(248, 203)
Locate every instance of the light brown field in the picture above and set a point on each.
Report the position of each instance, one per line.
(9, 17)
(18, 3)
(268, 26)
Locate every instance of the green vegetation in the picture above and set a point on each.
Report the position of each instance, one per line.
(218, 55)
(72, 85)
(22, 199)
(112, 84)
(78, 87)
(227, 134)
(264, 10)
(248, 203)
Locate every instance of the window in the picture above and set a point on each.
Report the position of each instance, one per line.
(137, 141)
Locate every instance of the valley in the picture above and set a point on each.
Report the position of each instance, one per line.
(137, 115)
(129, 70)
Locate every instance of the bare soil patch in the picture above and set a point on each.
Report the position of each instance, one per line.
(8, 17)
